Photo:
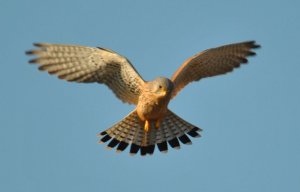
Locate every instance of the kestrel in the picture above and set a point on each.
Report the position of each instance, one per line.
(151, 123)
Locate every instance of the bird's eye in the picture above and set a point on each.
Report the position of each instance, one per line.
(160, 86)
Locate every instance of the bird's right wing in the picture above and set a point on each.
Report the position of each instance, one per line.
(87, 65)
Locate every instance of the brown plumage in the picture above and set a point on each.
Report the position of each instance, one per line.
(151, 123)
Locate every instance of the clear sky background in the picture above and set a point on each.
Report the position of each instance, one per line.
(250, 118)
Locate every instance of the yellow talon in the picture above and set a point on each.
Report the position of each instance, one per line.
(146, 127)
(157, 124)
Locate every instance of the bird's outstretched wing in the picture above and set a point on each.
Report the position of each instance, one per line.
(212, 62)
(87, 65)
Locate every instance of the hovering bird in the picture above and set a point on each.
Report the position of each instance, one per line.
(151, 123)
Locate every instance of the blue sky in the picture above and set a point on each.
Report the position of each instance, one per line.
(250, 118)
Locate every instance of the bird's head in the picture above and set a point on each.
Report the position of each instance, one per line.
(160, 86)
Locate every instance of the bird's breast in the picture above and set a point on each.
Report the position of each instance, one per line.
(150, 107)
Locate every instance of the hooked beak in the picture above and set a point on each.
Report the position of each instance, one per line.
(164, 93)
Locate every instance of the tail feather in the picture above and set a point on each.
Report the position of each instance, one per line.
(130, 131)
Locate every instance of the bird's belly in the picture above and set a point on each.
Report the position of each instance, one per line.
(151, 111)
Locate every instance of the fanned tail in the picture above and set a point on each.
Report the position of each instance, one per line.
(130, 131)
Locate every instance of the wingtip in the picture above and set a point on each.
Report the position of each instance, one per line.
(40, 44)
(251, 53)
(30, 52)
(254, 45)
(32, 61)
(197, 129)
(243, 60)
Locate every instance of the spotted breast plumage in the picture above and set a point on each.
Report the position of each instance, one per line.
(151, 123)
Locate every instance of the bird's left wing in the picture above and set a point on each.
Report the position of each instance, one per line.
(212, 62)
(87, 65)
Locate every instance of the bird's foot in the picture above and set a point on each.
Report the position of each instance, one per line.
(146, 126)
(157, 124)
